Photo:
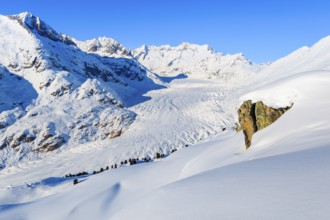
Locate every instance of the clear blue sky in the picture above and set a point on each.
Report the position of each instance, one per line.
(263, 30)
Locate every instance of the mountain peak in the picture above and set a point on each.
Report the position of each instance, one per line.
(36, 26)
(191, 46)
(25, 15)
(26, 18)
(104, 46)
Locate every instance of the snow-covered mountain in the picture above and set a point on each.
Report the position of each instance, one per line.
(196, 61)
(63, 101)
(104, 46)
(54, 94)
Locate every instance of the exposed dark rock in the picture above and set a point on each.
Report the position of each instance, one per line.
(253, 117)
(67, 40)
(115, 133)
(51, 144)
(35, 24)
(173, 150)
(23, 138)
(64, 89)
(4, 144)
(30, 65)
(33, 114)
(83, 126)
(92, 71)
(126, 68)
(3, 125)
(75, 181)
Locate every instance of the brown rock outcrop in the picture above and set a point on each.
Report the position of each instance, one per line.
(253, 117)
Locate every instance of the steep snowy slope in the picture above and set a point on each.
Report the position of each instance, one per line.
(304, 59)
(197, 61)
(15, 91)
(71, 96)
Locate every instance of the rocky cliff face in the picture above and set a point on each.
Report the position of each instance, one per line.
(253, 117)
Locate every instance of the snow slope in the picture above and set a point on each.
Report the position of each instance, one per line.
(284, 175)
(196, 61)
(304, 59)
(15, 91)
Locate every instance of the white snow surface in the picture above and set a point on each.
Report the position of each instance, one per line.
(304, 59)
(196, 61)
(283, 175)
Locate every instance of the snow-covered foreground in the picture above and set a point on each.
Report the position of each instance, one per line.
(284, 175)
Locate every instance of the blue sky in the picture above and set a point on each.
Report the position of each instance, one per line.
(263, 30)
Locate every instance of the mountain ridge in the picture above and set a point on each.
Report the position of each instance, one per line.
(196, 61)
(80, 96)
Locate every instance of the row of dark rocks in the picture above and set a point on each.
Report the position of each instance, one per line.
(131, 161)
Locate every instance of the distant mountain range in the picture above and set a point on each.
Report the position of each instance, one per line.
(196, 61)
